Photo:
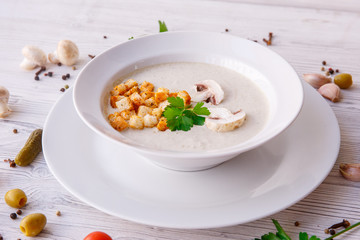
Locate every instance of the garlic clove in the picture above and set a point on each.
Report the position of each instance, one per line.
(350, 171)
(316, 80)
(330, 91)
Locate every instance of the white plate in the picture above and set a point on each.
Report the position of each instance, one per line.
(251, 186)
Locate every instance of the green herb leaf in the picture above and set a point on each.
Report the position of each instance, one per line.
(162, 26)
(200, 110)
(181, 117)
(176, 102)
(130, 38)
(281, 233)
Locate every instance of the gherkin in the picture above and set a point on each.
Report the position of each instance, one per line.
(31, 149)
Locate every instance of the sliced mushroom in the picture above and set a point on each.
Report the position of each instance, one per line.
(66, 53)
(33, 57)
(223, 120)
(208, 91)
(4, 99)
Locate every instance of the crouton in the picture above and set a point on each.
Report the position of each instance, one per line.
(130, 83)
(131, 91)
(136, 99)
(162, 124)
(136, 122)
(146, 87)
(164, 90)
(118, 90)
(126, 114)
(163, 105)
(151, 102)
(114, 99)
(185, 96)
(173, 94)
(157, 112)
(147, 95)
(124, 104)
(118, 122)
(150, 121)
(161, 96)
(143, 110)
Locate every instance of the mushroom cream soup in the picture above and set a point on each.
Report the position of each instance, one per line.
(240, 93)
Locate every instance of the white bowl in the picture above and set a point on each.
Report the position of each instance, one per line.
(267, 69)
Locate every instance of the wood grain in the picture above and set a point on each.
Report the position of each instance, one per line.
(305, 33)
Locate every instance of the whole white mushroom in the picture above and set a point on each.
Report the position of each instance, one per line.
(66, 53)
(33, 57)
(4, 99)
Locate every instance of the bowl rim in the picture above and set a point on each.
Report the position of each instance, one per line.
(227, 151)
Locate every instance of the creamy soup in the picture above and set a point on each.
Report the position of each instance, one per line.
(240, 93)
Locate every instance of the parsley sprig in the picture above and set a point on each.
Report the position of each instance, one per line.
(162, 26)
(281, 234)
(181, 117)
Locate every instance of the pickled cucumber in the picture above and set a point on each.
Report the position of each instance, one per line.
(31, 149)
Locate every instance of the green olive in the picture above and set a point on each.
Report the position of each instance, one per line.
(343, 80)
(33, 224)
(15, 198)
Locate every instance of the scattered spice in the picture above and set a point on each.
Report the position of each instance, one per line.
(37, 78)
(18, 212)
(268, 42)
(326, 231)
(42, 69)
(105, 37)
(226, 30)
(1, 237)
(297, 224)
(327, 73)
(74, 68)
(12, 163)
(331, 71)
(58, 213)
(324, 63)
(59, 64)
(66, 86)
(62, 89)
(255, 40)
(91, 56)
(345, 223)
(15, 130)
(50, 74)
(337, 70)
(45, 74)
(322, 69)
(63, 77)
(13, 216)
(68, 75)
(332, 232)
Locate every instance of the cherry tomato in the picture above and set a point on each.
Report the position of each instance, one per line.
(97, 236)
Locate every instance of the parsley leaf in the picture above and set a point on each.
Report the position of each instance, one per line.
(200, 110)
(181, 117)
(162, 26)
(281, 234)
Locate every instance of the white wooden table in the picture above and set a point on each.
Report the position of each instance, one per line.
(305, 33)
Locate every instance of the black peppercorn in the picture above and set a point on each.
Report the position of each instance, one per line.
(68, 75)
(324, 63)
(18, 212)
(37, 78)
(332, 232)
(63, 77)
(13, 216)
(62, 89)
